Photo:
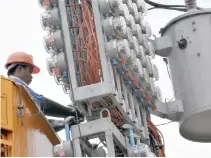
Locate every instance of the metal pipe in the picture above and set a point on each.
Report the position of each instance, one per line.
(190, 4)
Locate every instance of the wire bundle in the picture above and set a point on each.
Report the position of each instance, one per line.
(158, 135)
(86, 50)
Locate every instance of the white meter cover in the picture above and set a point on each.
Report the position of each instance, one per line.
(131, 60)
(108, 26)
(54, 41)
(149, 66)
(140, 35)
(47, 3)
(151, 50)
(140, 67)
(142, 56)
(123, 47)
(120, 26)
(115, 26)
(155, 72)
(133, 25)
(148, 29)
(126, 14)
(130, 37)
(60, 61)
(136, 46)
(50, 64)
(135, 13)
(105, 6)
(143, 25)
(111, 6)
(146, 45)
(159, 93)
(146, 75)
(50, 20)
(141, 6)
(112, 50)
(129, 5)
(116, 6)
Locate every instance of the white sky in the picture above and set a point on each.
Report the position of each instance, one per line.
(21, 30)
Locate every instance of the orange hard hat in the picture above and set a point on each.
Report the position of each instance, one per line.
(22, 58)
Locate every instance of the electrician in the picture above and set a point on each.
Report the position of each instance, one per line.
(20, 67)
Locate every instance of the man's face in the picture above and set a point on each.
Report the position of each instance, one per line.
(25, 74)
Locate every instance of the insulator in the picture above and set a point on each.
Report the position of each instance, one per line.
(50, 20)
(54, 41)
(126, 14)
(159, 93)
(115, 26)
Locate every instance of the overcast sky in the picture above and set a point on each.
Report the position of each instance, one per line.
(21, 30)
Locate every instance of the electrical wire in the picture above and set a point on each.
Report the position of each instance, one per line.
(164, 123)
(158, 135)
(155, 5)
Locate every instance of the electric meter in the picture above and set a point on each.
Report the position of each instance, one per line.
(54, 41)
(118, 48)
(50, 20)
(111, 6)
(47, 3)
(115, 26)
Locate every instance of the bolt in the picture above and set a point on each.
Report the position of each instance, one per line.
(194, 29)
(198, 54)
(193, 23)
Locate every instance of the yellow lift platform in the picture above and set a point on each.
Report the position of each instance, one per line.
(25, 130)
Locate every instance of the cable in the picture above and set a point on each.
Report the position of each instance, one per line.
(164, 123)
(170, 8)
(162, 5)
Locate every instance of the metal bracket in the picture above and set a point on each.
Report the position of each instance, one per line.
(162, 45)
(170, 110)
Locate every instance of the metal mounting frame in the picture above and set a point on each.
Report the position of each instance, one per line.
(97, 127)
(106, 88)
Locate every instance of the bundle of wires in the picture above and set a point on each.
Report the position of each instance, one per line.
(157, 135)
(155, 5)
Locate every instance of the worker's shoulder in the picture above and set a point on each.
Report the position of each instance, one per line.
(6, 79)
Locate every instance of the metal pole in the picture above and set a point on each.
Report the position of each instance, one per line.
(190, 4)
